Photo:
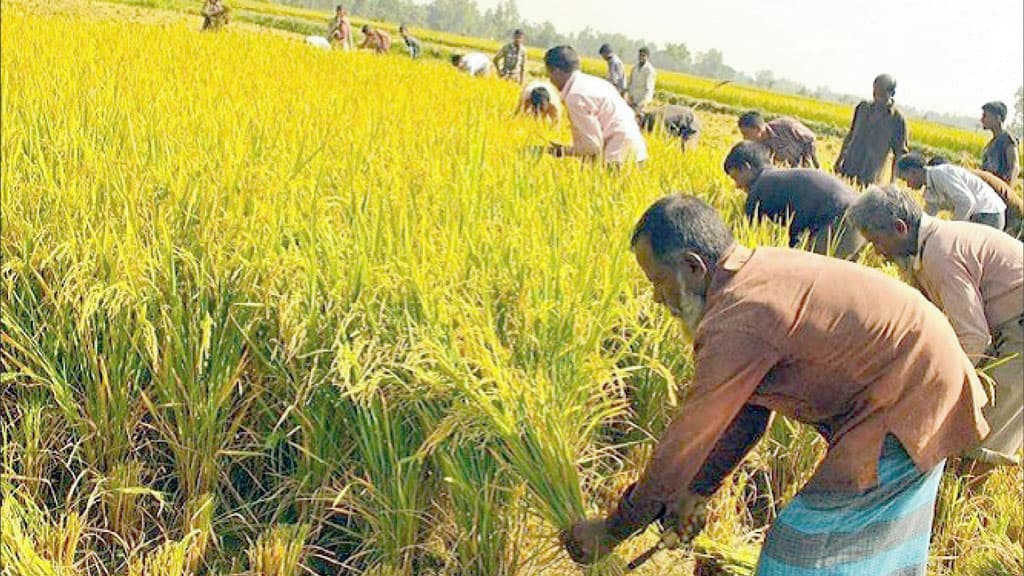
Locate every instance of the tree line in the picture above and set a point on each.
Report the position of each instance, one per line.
(465, 17)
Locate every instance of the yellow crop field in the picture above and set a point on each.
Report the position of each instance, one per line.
(267, 309)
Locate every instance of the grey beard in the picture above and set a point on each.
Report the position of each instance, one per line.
(689, 309)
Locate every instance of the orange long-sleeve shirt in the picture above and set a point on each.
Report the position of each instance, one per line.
(826, 342)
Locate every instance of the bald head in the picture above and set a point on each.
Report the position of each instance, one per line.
(884, 89)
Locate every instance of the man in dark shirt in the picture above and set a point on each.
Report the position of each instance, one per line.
(1000, 154)
(877, 128)
(815, 201)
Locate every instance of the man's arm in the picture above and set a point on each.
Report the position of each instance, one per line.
(849, 135)
(1009, 163)
(714, 429)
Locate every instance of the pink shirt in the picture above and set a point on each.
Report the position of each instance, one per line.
(975, 274)
(602, 122)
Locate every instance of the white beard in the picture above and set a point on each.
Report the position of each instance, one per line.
(689, 309)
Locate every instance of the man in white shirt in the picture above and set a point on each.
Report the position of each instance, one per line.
(950, 187)
(473, 63)
(641, 82)
(603, 125)
(616, 69)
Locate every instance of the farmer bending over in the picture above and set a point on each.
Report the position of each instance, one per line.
(678, 121)
(809, 200)
(950, 187)
(377, 40)
(789, 141)
(473, 63)
(603, 125)
(860, 356)
(975, 275)
(541, 99)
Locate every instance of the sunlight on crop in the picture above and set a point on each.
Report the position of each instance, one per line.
(266, 306)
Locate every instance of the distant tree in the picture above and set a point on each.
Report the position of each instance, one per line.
(677, 55)
(502, 19)
(765, 78)
(460, 16)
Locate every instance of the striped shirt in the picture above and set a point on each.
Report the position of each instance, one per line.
(790, 142)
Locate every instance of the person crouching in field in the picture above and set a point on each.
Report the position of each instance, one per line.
(603, 125)
(375, 39)
(856, 354)
(1014, 203)
(473, 63)
(411, 42)
(816, 202)
(950, 187)
(340, 32)
(678, 121)
(215, 15)
(541, 99)
(789, 141)
(976, 276)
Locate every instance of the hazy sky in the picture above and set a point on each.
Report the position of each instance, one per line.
(947, 56)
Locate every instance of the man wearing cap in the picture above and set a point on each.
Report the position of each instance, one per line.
(877, 129)
(1000, 154)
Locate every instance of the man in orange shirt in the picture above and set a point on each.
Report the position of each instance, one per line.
(860, 356)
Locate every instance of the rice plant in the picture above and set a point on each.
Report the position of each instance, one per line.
(275, 309)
